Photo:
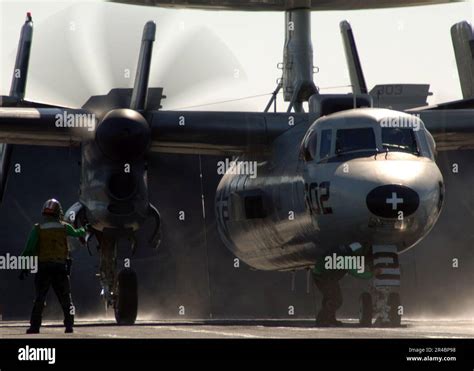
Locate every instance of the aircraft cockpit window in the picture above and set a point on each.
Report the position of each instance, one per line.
(399, 139)
(308, 149)
(359, 139)
(325, 146)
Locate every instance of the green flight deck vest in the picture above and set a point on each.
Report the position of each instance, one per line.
(52, 242)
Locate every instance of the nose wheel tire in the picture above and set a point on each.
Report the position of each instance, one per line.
(126, 302)
(365, 310)
(394, 304)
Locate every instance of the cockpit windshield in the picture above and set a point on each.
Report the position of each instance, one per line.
(358, 139)
(399, 139)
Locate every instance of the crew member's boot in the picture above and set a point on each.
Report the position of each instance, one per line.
(328, 285)
(33, 330)
(36, 317)
(327, 317)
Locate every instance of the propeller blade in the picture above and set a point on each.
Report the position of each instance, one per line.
(17, 93)
(353, 62)
(200, 64)
(5, 161)
(140, 89)
(20, 73)
(85, 50)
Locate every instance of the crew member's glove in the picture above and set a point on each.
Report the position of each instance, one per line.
(24, 273)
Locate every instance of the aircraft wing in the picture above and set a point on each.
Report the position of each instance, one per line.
(171, 132)
(45, 126)
(219, 132)
(201, 132)
(269, 5)
(452, 129)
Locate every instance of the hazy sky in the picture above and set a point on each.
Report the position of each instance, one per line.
(83, 48)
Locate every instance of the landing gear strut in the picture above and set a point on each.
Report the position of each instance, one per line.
(119, 291)
(393, 314)
(366, 310)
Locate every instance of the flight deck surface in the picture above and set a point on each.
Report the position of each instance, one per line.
(107, 329)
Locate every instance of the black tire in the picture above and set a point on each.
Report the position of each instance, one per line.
(365, 310)
(394, 303)
(126, 302)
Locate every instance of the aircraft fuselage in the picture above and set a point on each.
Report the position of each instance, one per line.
(296, 209)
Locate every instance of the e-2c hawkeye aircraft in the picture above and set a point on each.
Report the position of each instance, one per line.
(343, 175)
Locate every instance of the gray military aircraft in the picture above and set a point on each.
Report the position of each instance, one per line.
(302, 186)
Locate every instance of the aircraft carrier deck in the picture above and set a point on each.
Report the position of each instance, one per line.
(107, 329)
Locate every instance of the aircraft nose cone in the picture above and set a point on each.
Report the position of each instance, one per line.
(389, 200)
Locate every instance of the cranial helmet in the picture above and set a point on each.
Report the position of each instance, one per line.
(53, 207)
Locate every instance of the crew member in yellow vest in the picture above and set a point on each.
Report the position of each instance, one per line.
(48, 241)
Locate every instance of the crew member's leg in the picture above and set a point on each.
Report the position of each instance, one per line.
(328, 285)
(62, 288)
(42, 284)
(386, 281)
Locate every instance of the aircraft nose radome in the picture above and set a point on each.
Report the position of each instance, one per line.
(387, 201)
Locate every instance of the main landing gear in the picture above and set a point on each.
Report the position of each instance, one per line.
(126, 297)
(367, 306)
(119, 291)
